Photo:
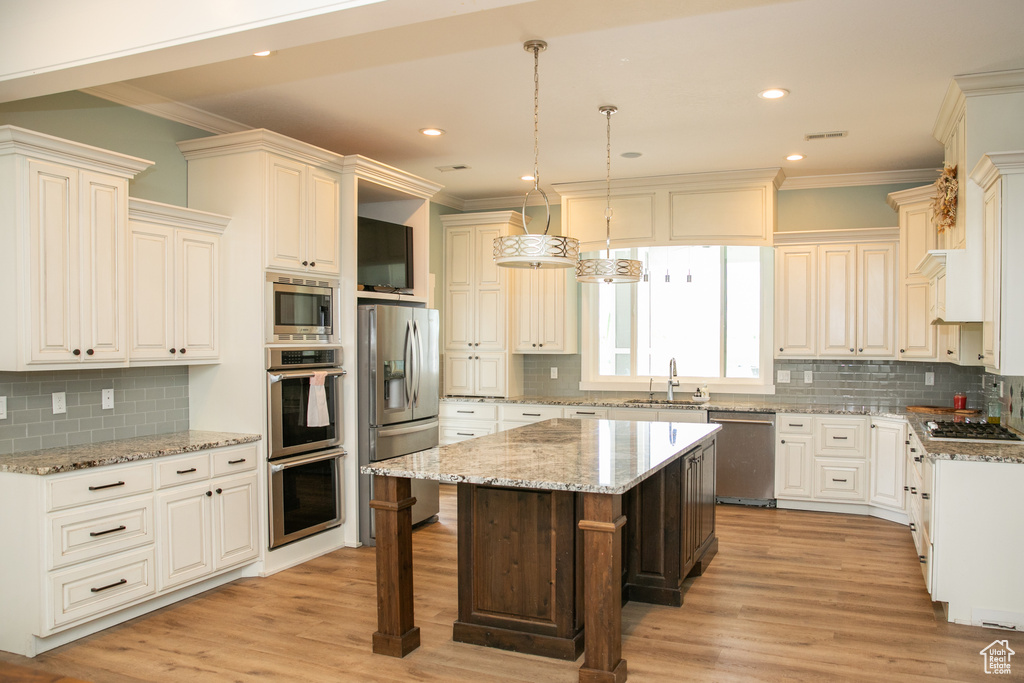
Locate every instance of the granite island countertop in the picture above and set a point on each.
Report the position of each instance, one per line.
(590, 456)
(1007, 452)
(84, 456)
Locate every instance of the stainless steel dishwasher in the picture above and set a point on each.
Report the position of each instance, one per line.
(745, 474)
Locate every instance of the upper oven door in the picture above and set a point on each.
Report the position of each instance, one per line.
(288, 413)
(302, 309)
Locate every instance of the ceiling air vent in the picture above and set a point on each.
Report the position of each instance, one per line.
(454, 167)
(827, 136)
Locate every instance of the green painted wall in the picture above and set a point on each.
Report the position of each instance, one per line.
(838, 208)
(98, 122)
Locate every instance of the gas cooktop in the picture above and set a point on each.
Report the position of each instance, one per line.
(976, 432)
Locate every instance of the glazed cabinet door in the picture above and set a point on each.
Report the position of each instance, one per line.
(197, 295)
(887, 463)
(837, 305)
(235, 521)
(794, 466)
(992, 231)
(324, 222)
(152, 293)
(796, 309)
(286, 214)
(184, 529)
(876, 296)
(102, 229)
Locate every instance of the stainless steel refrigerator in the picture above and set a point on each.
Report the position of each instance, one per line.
(398, 398)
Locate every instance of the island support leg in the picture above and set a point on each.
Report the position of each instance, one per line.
(396, 635)
(602, 588)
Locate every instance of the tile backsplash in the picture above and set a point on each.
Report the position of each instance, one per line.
(1012, 399)
(837, 383)
(146, 401)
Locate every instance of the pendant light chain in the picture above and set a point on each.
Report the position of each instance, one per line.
(608, 185)
(536, 117)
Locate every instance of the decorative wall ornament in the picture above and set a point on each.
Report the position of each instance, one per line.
(944, 204)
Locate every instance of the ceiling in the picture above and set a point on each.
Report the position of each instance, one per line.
(685, 76)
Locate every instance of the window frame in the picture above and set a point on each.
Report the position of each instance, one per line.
(591, 380)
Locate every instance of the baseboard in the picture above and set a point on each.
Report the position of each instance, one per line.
(844, 509)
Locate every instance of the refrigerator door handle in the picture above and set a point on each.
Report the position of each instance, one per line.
(419, 360)
(407, 357)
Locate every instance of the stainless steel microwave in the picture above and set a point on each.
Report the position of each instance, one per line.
(300, 309)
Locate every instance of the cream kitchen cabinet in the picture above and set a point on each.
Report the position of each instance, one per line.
(919, 302)
(796, 297)
(794, 456)
(461, 421)
(175, 278)
(856, 309)
(544, 319)
(304, 217)
(64, 260)
(477, 304)
(888, 441)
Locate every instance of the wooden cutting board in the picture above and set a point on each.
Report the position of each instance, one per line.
(944, 410)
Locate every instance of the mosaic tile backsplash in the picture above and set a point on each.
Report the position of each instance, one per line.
(894, 384)
(146, 401)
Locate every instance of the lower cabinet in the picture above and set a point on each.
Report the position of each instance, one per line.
(475, 373)
(794, 466)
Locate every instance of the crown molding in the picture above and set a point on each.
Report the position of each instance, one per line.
(952, 107)
(175, 216)
(449, 200)
(714, 180)
(260, 139)
(991, 82)
(911, 196)
(484, 218)
(158, 105)
(858, 235)
(504, 202)
(995, 164)
(917, 175)
(16, 140)
(388, 176)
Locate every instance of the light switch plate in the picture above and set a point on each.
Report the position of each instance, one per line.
(108, 399)
(808, 377)
(554, 373)
(60, 404)
(783, 377)
(3, 407)
(929, 379)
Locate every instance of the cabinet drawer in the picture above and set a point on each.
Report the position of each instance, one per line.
(844, 438)
(83, 592)
(98, 485)
(183, 470)
(453, 433)
(469, 411)
(794, 424)
(677, 415)
(99, 531)
(637, 414)
(527, 414)
(839, 480)
(231, 460)
(586, 412)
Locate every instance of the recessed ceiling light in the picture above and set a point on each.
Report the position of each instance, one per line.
(527, 177)
(262, 53)
(631, 155)
(772, 93)
(794, 157)
(432, 131)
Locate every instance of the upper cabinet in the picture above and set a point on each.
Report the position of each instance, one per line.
(175, 284)
(1001, 177)
(303, 217)
(919, 298)
(64, 258)
(836, 299)
(544, 318)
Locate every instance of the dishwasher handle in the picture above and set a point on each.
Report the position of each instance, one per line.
(721, 420)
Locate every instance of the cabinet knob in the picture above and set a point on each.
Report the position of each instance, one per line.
(476, 344)
(783, 441)
(305, 263)
(924, 560)
(906, 488)
(209, 493)
(312, 264)
(181, 351)
(534, 346)
(780, 348)
(903, 350)
(89, 352)
(981, 356)
(949, 352)
(220, 491)
(540, 345)
(76, 352)
(173, 350)
(470, 344)
(873, 426)
(851, 350)
(913, 527)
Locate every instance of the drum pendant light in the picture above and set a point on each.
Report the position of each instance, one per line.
(536, 250)
(608, 269)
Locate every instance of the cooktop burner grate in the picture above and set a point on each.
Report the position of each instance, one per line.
(981, 431)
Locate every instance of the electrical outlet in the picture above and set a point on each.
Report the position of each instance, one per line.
(783, 377)
(808, 377)
(60, 404)
(108, 399)
(554, 373)
(1000, 390)
(3, 407)
(929, 379)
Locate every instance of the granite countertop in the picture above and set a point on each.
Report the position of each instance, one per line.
(592, 456)
(70, 458)
(1009, 452)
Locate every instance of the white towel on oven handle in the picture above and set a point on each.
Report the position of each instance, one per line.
(317, 414)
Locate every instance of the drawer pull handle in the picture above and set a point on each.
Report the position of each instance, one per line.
(113, 585)
(106, 486)
(531, 414)
(841, 481)
(840, 438)
(926, 496)
(188, 471)
(906, 488)
(466, 412)
(793, 425)
(463, 434)
(236, 462)
(582, 412)
(913, 490)
(108, 531)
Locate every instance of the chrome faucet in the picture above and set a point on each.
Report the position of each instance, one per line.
(672, 382)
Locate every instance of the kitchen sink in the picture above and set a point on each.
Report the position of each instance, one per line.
(663, 401)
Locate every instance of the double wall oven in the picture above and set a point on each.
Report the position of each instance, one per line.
(305, 467)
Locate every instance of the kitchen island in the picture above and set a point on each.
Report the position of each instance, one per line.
(558, 521)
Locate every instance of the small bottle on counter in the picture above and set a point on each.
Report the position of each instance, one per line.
(959, 401)
(995, 411)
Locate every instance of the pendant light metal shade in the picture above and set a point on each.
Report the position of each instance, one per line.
(533, 250)
(609, 270)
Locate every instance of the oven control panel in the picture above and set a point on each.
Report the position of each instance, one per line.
(293, 358)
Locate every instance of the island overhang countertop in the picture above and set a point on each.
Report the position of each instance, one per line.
(589, 456)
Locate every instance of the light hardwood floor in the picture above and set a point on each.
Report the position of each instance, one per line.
(790, 596)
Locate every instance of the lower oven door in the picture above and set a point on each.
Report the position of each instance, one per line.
(305, 495)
